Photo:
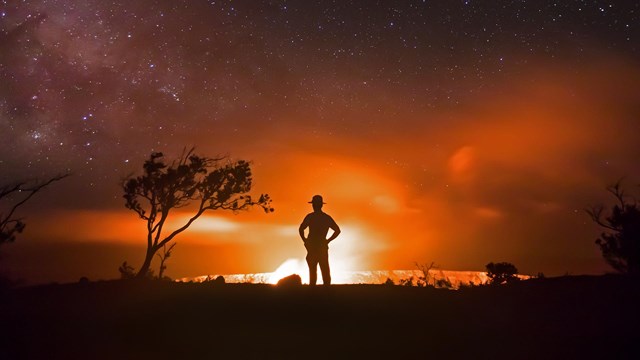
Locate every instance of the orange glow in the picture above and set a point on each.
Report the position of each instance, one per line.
(288, 267)
(90, 226)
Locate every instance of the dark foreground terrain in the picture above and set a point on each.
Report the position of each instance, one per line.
(557, 318)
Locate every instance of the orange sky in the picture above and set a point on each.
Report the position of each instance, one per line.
(504, 177)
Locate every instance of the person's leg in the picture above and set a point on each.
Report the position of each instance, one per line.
(312, 262)
(323, 260)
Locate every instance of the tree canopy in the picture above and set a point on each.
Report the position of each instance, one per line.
(196, 183)
(502, 272)
(620, 240)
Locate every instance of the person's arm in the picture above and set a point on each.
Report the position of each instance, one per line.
(303, 226)
(336, 231)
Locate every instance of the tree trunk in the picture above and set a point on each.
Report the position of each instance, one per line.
(144, 269)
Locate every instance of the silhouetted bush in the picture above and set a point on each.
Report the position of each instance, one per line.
(407, 282)
(620, 242)
(389, 282)
(501, 273)
(444, 283)
(218, 280)
(126, 271)
(426, 279)
(166, 254)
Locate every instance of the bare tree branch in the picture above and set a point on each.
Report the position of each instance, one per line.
(620, 242)
(595, 213)
(9, 225)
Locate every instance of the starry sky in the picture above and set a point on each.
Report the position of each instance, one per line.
(460, 132)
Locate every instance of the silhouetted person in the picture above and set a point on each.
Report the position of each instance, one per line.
(316, 242)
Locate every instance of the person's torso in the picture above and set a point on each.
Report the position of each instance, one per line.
(319, 224)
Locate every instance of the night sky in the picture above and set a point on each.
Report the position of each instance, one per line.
(460, 132)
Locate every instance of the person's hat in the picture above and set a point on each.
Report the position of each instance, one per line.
(317, 199)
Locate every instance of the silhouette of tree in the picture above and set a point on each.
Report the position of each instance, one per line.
(126, 271)
(202, 182)
(12, 197)
(501, 273)
(166, 253)
(426, 276)
(620, 242)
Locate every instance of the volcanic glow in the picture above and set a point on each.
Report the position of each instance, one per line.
(456, 279)
(289, 267)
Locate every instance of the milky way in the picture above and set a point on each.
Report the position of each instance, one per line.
(82, 79)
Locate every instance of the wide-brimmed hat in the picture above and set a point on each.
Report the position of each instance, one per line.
(317, 199)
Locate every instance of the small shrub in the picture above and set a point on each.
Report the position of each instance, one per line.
(501, 273)
(406, 282)
(444, 283)
(218, 280)
(126, 271)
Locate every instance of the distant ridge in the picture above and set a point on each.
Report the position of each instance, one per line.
(456, 278)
